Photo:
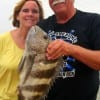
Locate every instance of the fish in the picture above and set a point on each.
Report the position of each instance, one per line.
(36, 73)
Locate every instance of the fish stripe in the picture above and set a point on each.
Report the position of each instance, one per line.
(43, 73)
(36, 88)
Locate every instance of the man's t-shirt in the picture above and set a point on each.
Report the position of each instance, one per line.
(76, 81)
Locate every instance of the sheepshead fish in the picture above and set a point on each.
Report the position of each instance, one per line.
(37, 74)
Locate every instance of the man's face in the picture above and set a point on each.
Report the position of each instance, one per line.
(60, 5)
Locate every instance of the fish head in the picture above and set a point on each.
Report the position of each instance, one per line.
(37, 40)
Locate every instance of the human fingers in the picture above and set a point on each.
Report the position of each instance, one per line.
(53, 46)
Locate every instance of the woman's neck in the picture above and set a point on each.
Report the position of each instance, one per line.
(19, 36)
(22, 33)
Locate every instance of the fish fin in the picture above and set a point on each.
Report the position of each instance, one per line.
(28, 64)
(21, 64)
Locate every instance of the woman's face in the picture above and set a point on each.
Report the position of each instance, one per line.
(29, 14)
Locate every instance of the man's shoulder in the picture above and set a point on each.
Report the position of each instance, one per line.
(47, 23)
(47, 20)
(88, 14)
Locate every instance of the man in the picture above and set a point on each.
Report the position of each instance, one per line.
(76, 36)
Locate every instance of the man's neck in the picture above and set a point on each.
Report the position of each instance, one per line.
(65, 17)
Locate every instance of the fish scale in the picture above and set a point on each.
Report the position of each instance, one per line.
(37, 74)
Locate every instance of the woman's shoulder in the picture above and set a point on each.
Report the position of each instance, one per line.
(4, 35)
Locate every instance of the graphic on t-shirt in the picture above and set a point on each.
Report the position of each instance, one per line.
(67, 69)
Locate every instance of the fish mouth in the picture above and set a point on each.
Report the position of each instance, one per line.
(57, 2)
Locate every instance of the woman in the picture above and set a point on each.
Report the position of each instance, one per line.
(26, 14)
